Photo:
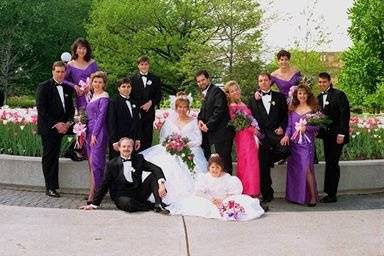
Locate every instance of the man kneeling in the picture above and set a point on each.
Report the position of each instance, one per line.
(123, 178)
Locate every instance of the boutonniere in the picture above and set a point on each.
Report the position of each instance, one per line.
(133, 106)
(273, 103)
(326, 103)
(66, 95)
(149, 82)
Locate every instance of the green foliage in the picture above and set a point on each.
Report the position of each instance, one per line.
(21, 102)
(362, 77)
(180, 37)
(33, 34)
(22, 140)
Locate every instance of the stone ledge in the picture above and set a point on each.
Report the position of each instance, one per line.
(356, 176)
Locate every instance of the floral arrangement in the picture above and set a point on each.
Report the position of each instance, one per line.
(177, 145)
(80, 128)
(298, 136)
(318, 119)
(231, 210)
(242, 120)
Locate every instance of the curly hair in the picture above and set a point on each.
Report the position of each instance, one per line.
(311, 100)
(227, 86)
(216, 159)
(81, 42)
(181, 97)
(102, 75)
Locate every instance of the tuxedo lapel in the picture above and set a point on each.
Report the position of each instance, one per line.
(56, 94)
(262, 110)
(124, 107)
(273, 108)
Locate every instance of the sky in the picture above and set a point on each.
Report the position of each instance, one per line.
(282, 31)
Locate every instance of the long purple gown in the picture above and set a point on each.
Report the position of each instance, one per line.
(285, 85)
(300, 161)
(74, 75)
(97, 125)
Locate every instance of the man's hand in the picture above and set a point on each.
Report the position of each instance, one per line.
(87, 207)
(162, 190)
(61, 127)
(279, 131)
(284, 141)
(340, 139)
(137, 145)
(203, 126)
(146, 106)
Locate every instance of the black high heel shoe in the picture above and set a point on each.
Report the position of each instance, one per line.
(311, 204)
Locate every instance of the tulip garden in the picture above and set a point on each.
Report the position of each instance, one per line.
(18, 133)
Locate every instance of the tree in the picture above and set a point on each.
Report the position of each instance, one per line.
(180, 37)
(362, 76)
(33, 34)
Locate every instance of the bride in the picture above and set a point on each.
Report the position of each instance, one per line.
(179, 179)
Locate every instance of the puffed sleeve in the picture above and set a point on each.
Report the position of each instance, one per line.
(233, 185)
(165, 131)
(195, 136)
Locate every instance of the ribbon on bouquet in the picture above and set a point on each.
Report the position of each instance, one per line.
(85, 85)
(298, 134)
(79, 130)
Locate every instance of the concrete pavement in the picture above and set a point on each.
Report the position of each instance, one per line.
(352, 226)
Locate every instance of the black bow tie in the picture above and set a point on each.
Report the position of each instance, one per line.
(143, 75)
(324, 93)
(125, 160)
(57, 84)
(265, 93)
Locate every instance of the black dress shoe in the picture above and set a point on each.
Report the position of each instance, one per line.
(160, 209)
(264, 206)
(267, 199)
(52, 193)
(328, 199)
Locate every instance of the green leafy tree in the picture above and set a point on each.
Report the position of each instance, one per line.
(362, 76)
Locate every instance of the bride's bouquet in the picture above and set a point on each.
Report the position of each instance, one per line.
(242, 120)
(231, 210)
(177, 145)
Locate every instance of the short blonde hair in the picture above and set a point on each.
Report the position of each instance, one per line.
(102, 75)
(228, 85)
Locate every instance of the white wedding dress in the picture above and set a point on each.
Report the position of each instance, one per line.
(179, 180)
(208, 187)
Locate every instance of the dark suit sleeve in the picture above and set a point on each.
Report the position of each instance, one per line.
(220, 109)
(112, 116)
(137, 132)
(42, 106)
(150, 167)
(343, 122)
(103, 189)
(284, 112)
(69, 104)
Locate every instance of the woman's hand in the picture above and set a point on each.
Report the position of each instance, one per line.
(78, 90)
(217, 202)
(285, 140)
(93, 140)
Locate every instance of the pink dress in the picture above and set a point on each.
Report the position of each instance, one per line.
(247, 152)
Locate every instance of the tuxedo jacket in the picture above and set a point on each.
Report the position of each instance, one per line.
(50, 108)
(337, 109)
(277, 117)
(121, 123)
(214, 113)
(141, 94)
(115, 182)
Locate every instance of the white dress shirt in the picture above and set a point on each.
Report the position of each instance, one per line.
(144, 78)
(128, 104)
(128, 169)
(267, 102)
(60, 90)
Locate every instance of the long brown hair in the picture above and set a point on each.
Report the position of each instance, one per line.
(311, 100)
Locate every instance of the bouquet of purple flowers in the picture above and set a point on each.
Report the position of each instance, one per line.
(231, 210)
(318, 119)
(177, 145)
(242, 120)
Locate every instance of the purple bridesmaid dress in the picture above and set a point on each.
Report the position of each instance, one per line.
(97, 125)
(74, 76)
(285, 85)
(300, 161)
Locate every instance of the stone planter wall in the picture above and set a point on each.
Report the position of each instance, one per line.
(356, 176)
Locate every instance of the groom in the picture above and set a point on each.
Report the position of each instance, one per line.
(334, 104)
(271, 112)
(213, 120)
(123, 179)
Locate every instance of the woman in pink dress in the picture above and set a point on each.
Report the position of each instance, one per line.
(246, 142)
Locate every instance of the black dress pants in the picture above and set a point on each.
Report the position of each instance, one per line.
(50, 160)
(332, 153)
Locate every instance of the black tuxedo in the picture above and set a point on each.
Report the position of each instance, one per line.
(214, 113)
(141, 94)
(50, 111)
(337, 109)
(121, 123)
(130, 196)
(271, 150)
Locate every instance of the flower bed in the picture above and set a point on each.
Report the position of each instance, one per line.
(18, 134)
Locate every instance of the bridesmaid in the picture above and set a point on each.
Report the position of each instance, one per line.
(97, 137)
(247, 150)
(80, 69)
(285, 76)
(301, 181)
